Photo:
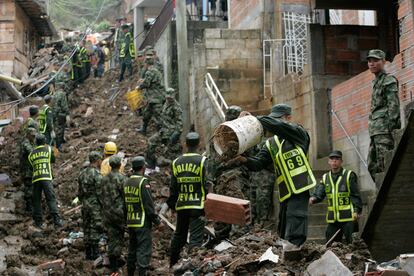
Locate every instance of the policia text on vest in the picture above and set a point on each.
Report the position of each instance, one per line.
(40, 159)
(133, 200)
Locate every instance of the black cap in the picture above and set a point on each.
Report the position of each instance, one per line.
(125, 26)
(40, 139)
(33, 110)
(192, 139)
(280, 110)
(335, 154)
(138, 162)
(47, 98)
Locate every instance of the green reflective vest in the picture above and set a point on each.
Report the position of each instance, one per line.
(40, 159)
(131, 47)
(340, 207)
(188, 170)
(292, 168)
(42, 118)
(133, 201)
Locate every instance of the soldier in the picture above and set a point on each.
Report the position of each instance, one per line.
(126, 53)
(171, 127)
(45, 119)
(60, 112)
(31, 122)
(141, 215)
(153, 95)
(118, 38)
(26, 172)
(40, 159)
(385, 112)
(188, 191)
(110, 149)
(113, 211)
(76, 66)
(85, 60)
(141, 64)
(340, 186)
(89, 193)
(287, 149)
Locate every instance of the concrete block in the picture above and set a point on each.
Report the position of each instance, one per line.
(212, 54)
(235, 43)
(228, 33)
(212, 33)
(328, 264)
(253, 43)
(215, 43)
(250, 34)
(227, 209)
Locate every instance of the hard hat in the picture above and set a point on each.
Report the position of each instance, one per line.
(110, 148)
(192, 139)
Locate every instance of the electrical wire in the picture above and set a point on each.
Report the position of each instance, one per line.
(17, 102)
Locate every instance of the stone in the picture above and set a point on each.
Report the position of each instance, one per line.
(56, 264)
(328, 264)
(89, 111)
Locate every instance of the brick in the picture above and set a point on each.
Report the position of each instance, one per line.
(235, 43)
(56, 264)
(213, 43)
(228, 33)
(212, 33)
(227, 209)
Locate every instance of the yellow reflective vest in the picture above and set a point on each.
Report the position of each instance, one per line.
(133, 201)
(131, 46)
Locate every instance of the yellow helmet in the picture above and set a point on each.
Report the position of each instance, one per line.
(110, 148)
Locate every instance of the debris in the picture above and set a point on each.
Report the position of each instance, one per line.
(5, 180)
(407, 263)
(63, 251)
(224, 245)
(73, 210)
(328, 264)
(227, 209)
(89, 112)
(269, 256)
(332, 238)
(56, 264)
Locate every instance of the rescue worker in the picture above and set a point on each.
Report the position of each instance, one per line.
(113, 211)
(188, 191)
(60, 112)
(287, 149)
(118, 38)
(110, 149)
(385, 112)
(141, 215)
(108, 57)
(340, 186)
(89, 194)
(40, 159)
(32, 120)
(76, 66)
(85, 60)
(126, 53)
(26, 147)
(171, 123)
(154, 94)
(141, 64)
(45, 119)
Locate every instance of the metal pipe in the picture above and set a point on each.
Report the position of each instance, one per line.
(10, 79)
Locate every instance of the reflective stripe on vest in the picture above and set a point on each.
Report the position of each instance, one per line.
(340, 207)
(292, 168)
(42, 118)
(40, 159)
(133, 201)
(131, 47)
(188, 170)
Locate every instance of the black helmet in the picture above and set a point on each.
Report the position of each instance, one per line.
(40, 139)
(192, 139)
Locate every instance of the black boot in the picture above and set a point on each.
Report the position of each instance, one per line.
(142, 271)
(113, 264)
(95, 251)
(57, 221)
(88, 252)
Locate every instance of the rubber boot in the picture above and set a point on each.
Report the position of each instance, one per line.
(131, 270)
(142, 271)
(113, 264)
(143, 128)
(88, 252)
(95, 251)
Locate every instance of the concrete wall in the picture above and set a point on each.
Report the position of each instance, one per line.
(246, 14)
(7, 47)
(166, 52)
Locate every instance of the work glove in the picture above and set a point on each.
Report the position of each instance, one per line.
(164, 209)
(175, 137)
(53, 134)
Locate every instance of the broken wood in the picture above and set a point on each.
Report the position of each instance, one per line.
(164, 219)
(73, 210)
(331, 239)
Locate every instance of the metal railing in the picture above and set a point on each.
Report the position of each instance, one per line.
(215, 96)
(159, 25)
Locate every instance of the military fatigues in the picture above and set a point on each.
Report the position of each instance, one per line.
(126, 54)
(153, 95)
(287, 150)
(26, 171)
(45, 119)
(113, 213)
(40, 159)
(106, 168)
(384, 118)
(140, 216)
(30, 122)
(187, 195)
(89, 193)
(60, 111)
(171, 126)
(341, 190)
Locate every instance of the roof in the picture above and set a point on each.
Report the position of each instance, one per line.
(36, 10)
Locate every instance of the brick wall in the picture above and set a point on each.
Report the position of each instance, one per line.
(346, 48)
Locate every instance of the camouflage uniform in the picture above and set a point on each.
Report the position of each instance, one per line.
(384, 118)
(89, 193)
(45, 119)
(60, 111)
(113, 210)
(153, 95)
(26, 171)
(171, 124)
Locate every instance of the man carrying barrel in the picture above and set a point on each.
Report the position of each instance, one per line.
(287, 150)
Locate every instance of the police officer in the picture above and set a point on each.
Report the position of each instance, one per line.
(287, 149)
(89, 193)
(110, 149)
(340, 186)
(140, 214)
(85, 60)
(40, 159)
(126, 53)
(26, 147)
(113, 211)
(188, 191)
(45, 119)
(60, 112)
(385, 112)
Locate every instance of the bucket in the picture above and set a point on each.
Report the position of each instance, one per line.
(235, 137)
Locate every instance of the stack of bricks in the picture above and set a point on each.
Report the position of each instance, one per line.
(227, 209)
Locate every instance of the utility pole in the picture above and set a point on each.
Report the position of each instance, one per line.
(182, 51)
